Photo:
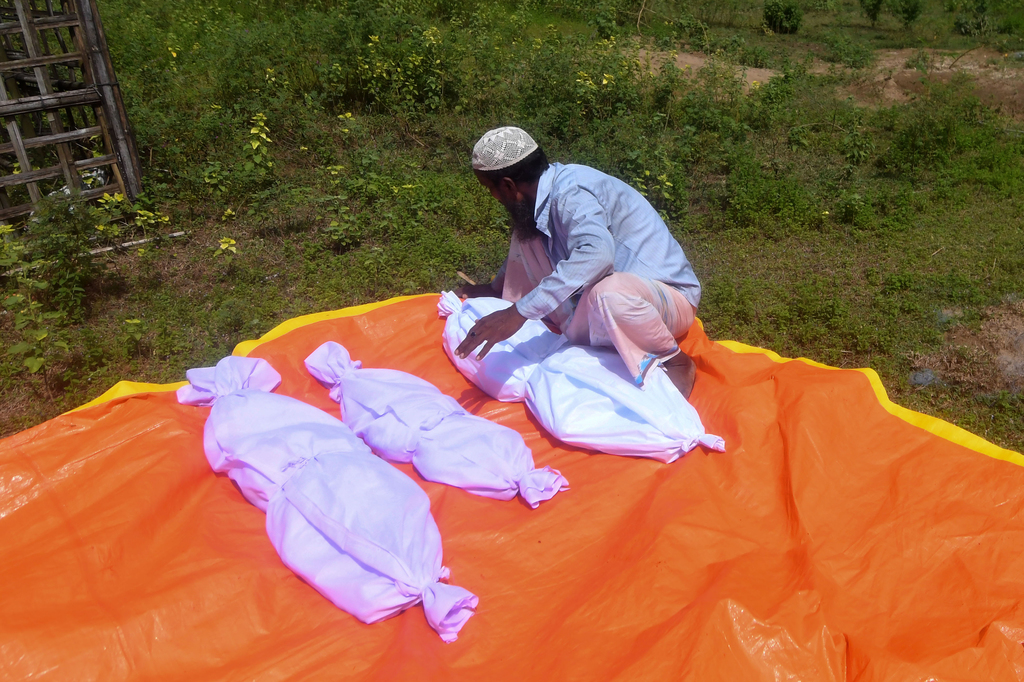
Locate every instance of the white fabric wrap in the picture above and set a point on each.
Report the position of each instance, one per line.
(406, 419)
(503, 372)
(582, 395)
(356, 529)
(231, 374)
(361, 532)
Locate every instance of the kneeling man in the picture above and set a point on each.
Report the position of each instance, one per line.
(590, 255)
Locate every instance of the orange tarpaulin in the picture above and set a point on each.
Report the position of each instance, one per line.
(838, 538)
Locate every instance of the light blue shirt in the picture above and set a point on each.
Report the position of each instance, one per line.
(595, 225)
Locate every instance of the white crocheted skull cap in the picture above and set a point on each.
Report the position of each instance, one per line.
(501, 148)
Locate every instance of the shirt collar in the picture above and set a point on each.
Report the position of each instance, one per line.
(542, 206)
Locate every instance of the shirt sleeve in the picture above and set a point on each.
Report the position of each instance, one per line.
(591, 253)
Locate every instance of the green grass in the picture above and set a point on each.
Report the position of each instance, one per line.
(818, 228)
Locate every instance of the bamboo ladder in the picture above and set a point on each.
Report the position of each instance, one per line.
(64, 120)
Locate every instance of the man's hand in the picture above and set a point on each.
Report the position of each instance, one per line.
(490, 330)
(477, 291)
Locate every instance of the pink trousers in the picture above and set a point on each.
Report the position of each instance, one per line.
(640, 317)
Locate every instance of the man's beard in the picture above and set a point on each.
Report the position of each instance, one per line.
(524, 227)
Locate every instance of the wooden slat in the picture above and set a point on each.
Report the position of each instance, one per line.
(45, 23)
(15, 211)
(31, 176)
(100, 191)
(40, 61)
(19, 146)
(83, 97)
(87, 195)
(60, 84)
(59, 138)
(59, 21)
(96, 162)
(122, 141)
(35, 50)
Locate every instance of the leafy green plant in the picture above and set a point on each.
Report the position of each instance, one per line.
(872, 9)
(945, 122)
(907, 11)
(36, 326)
(973, 18)
(257, 147)
(343, 233)
(133, 331)
(149, 220)
(59, 239)
(783, 16)
(843, 50)
(225, 250)
(857, 147)
(853, 209)
(409, 74)
(39, 340)
(921, 61)
(603, 19)
(110, 214)
(216, 178)
(663, 187)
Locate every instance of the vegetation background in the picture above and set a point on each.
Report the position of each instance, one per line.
(315, 154)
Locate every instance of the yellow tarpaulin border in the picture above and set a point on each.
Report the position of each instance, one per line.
(934, 425)
(126, 388)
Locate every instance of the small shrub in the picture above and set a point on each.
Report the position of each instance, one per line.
(852, 209)
(934, 129)
(908, 11)
(921, 61)
(603, 20)
(773, 201)
(58, 238)
(225, 247)
(256, 148)
(753, 56)
(36, 326)
(972, 18)
(344, 233)
(231, 316)
(692, 29)
(972, 25)
(857, 147)
(844, 51)
(783, 16)
(133, 331)
(872, 9)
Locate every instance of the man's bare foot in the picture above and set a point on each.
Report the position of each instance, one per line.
(682, 371)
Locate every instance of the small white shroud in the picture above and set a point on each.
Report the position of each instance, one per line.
(351, 525)
(582, 395)
(406, 419)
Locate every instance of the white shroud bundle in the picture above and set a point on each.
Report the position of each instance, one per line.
(352, 526)
(582, 395)
(406, 419)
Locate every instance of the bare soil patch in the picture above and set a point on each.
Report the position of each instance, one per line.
(986, 360)
(997, 83)
(692, 62)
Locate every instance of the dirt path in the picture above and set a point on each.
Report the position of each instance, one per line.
(999, 82)
(692, 62)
